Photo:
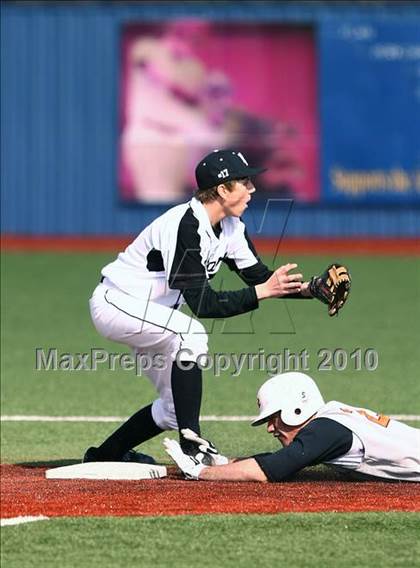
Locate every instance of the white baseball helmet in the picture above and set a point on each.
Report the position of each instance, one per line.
(294, 394)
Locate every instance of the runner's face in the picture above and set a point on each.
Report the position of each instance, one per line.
(284, 433)
(236, 200)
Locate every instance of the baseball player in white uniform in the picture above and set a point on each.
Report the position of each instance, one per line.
(312, 432)
(169, 264)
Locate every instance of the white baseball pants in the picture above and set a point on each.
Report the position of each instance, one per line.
(150, 329)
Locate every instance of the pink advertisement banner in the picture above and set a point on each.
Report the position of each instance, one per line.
(191, 86)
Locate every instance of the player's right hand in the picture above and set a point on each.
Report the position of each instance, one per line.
(280, 283)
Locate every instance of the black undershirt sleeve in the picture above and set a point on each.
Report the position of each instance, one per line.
(207, 303)
(252, 275)
(321, 440)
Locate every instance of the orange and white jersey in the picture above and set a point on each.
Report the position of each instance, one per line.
(382, 447)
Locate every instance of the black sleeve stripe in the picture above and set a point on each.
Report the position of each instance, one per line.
(187, 268)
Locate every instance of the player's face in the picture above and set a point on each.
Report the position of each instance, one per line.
(236, 200)
(284, 433)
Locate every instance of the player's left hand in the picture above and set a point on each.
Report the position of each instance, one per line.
(206, 447)
(189, 465)
(332, 287)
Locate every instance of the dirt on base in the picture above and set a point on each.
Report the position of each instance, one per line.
(26, 491)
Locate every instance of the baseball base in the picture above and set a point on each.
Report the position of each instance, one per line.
(107, 470)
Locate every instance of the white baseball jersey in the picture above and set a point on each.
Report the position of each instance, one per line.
(382, 447)
(181, 250)
(168, 264)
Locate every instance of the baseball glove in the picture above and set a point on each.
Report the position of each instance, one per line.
(332, 287)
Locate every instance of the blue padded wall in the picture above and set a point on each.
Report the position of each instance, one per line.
(59, 82)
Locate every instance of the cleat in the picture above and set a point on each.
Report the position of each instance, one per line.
(91, 455)
(137, 457)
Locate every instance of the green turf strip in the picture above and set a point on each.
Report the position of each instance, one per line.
(44, 442)
(44, 305)
(296, 540)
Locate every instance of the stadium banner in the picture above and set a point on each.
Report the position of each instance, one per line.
(370, 110)
(190, 86)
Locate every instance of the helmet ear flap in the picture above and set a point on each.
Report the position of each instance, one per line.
(290, 416)
(304, 401)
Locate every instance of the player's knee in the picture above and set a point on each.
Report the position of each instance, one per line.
(163, 413)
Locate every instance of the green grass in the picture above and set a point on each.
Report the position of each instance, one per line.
(44, 299)
(296, 540)
(53, 441)
(44, 304)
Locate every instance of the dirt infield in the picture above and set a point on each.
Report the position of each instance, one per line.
(26, 491)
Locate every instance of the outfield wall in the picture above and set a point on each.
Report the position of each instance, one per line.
(60, 120)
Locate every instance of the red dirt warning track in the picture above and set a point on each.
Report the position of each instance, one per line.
(26, 491)
(348, 246)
